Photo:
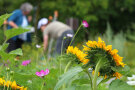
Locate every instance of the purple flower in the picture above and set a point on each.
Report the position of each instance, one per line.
(42, 73)
(24, 63)
(85, 24)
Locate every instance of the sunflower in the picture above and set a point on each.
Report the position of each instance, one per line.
(12, 85)
(98, 49)
(78, 53)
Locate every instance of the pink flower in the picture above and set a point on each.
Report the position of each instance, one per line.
(42, 73)
(24, 63)
(85, 24)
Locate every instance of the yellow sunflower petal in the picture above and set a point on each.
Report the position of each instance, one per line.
(117, 75)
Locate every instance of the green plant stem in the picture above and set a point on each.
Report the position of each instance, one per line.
(6, 80)
(75, 34)
(5, 41)
(67, 66)
(62, 46)
(37, 57)
(42, 86)
(65, 70)
(96, 74)
(89, 78)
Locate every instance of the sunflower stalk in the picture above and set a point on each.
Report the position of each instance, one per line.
(65, 70)
(98, 66)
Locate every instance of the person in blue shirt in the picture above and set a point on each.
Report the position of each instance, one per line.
(15, 21)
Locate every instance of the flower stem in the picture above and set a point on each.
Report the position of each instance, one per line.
(42, 86)
(67, 66)
(96, 74)
(62, 46)
(65, 70)
(37, 58)
(75, 34)
(60, 67)
(89, 78)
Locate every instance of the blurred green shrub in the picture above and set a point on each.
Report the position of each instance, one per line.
(120, 13)
(1, 36)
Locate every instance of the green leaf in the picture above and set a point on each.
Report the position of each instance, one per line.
(67, 76)
(83, 87)
(124, 71)
(3, 18)
(13, 32)
(16, 52)
(70, 88)
(25, 78)
(4, 46)
(120, 85)
(6, 56)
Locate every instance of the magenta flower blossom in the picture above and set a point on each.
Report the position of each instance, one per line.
(24, 63)
(42, 73)
(85, 24)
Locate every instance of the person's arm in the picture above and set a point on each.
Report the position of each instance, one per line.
(14, 17)
(45, 42)
(12, 24)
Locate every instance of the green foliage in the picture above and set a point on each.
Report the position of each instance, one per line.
(117, 41)
(119, 85)
(1, 36)
(13, 32)
(96, 12)
(16, 52)
(102, 87)
(9, 34)
(65, 78)
(4, 46)
(124, 71)
(3, 18)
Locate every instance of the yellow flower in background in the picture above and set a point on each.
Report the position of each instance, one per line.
(8, 83)
(80, 55)
(1, 81)
(22, 88)
(13, 85)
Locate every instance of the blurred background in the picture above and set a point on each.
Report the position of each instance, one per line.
(112, 20)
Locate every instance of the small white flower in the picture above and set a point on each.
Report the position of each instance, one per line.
(29, 81)
(131, 82)
(131, 78)
(38, 46)
(69, 35)
(90, 69)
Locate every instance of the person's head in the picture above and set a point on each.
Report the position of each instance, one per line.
(42, 23)
(26, 8)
